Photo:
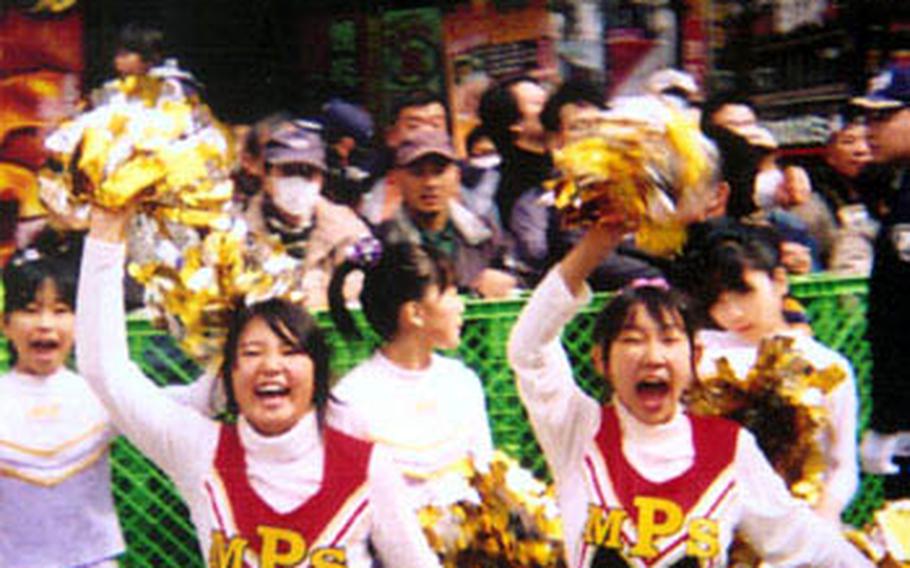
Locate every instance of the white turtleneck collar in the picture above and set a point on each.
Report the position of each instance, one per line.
(660, 451)
(403, 373)
(302, 439)
(285, 470)
(28, 380)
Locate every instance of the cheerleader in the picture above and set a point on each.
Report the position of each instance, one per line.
(734, 275)
(639, 482)
(428, 409)
(279, 487)
(56, 507)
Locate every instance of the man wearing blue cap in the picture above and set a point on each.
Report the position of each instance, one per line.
(291, 206)
(885, 449)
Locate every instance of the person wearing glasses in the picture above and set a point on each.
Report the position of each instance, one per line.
(884, 449)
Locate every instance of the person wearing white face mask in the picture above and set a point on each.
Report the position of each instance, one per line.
(291, 206)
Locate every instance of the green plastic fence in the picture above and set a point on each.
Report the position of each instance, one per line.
(155, 521)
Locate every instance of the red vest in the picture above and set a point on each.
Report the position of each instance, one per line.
(323, 520)
(648, 523)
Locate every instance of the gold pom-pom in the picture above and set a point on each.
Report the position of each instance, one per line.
(653, 174)
(514, 525)
(192, 290)
(886, 539)
(781, 401)
(146, 143)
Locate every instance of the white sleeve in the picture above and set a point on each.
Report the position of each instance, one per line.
(395, 532)
(174, 436)
(344, 417)
(783, 529)
(204, 394)
(563, 416)
(843, 470)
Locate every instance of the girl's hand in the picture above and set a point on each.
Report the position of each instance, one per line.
(595, 246)
(110, 225)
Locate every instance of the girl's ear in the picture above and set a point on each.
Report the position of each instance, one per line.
(410, 316)
(779, 281)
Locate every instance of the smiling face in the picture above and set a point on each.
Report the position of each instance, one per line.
(757, 311)
(272, 379)
(41, 332)
(649, 363)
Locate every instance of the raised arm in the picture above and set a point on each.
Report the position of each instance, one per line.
(171, 434)
(395, 531)
(561, 414)
(784, 530)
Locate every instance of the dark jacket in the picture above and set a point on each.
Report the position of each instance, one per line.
(889, 316)
(477, 242)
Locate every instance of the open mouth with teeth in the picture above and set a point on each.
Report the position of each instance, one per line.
(272, 392)
(653, 392)
(45, 346)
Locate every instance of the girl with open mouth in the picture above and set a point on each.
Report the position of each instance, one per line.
(55, 481)
(639, 482)
(279, 487)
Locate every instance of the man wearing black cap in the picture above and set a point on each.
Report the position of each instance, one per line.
(291, 206)
(430, 214)
(416, 112)
(885, 449)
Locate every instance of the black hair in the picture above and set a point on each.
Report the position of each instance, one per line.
(666, 306)
(477, 134)
(739, 162)
(716, 256)
(416, 99)
(53, 256)
(144, 39)
(404, 273)
(498, 111)
(573, 91)
(296, 327)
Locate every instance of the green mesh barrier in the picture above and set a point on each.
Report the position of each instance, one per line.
(155, 520)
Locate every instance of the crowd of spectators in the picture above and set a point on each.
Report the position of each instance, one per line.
(321, 183)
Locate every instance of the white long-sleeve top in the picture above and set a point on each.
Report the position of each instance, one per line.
(838, 439)
(566, 422)
(56, 508)
(430, 419)
(284, 471)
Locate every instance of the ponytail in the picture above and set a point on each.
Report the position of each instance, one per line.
(394, 274)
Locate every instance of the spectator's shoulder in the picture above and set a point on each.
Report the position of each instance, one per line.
(397, 230)
(339, 219)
